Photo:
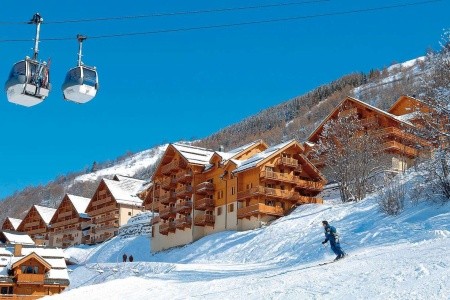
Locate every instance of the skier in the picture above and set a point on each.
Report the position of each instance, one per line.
(332, 236)
(130, 258)
(124, 257)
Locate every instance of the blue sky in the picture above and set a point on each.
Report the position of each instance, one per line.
(172, 86)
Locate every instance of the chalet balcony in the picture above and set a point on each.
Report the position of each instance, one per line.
(267, 192)
(167, 212)
(288, 162)
(109, 217)
(185, 190)
(397, 132)
(184, 207)
(64, 223)
(398, 147)
(276, 176)
(205, 188)
(204, 220)
(167, 198)
(185, 176)
(98, 211)
(172, 167)
(30, 279)
(165, 228)
(309, 200)
(183, 222)
(257, 209)
(168, 183)
(204, 204)
(309, 185)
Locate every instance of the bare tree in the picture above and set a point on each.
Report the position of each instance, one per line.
(392, 197)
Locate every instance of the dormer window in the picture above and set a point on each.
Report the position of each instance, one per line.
(30, 270)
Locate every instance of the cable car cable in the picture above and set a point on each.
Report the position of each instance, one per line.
(321, 15)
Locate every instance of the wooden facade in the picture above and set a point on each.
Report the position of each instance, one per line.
(200, 191)
(399, 141)
(11, 224)
(31, 276)
(36, 223)
(112, 205)
(69, 222)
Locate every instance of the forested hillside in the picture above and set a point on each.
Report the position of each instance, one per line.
(295, 118)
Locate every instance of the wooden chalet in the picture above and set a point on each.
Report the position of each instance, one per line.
(29, 272)
(394, 128)
(36, 223)
(11, 224)
(70, 224)
(197, 190)
(112, 205)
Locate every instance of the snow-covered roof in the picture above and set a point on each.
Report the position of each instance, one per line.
(14, 237)
(125, 191)
(255, 159)
(194, 155)
(46, 213)
(80, 203)
(234, 152)
(14, 222)
(44, 252)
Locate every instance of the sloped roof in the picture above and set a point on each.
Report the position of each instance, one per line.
(14, 222)
(194, 155)
(80, 203)
(257, 158)
(46, 213)
(236, 151)
(125, 192)
(14, 237)
(404, 98)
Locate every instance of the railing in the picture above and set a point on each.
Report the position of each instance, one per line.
(165, 213)
(102, 210)
(30, 278)
(205, 188)
(184, 207)
(306, 200)
(184, 176)
(68, 230)
(277, 176)
(404, 135)
(312, 185)
(109, 217)
(167, 198)
(97, 202)
(165, 228)
(183, 222)
(184, 190)
(65, 214)
(204, 204)
(401, 148)
(204, 220)
(64, 223)
(31, 224)
(173, 165)
(259, 209)
(288, 161)
(265, 191)
(168, 183)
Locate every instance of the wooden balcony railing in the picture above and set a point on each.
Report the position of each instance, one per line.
(172, 166)
(403, 135)
(265, 191)
(204, 204)
(205, 188)
(64, 223)
(184, 191)
(184, 176)
(204, 220)
(183, 222)
(184, 207)
(165, 228)
(276, 176)
(168, 198)
(398, 147)
(30, 278)
(168, 183)
(99, 211)
(97, 202)
(167, 212)
(288, 162)
(109, 217)
(310, 185)
(306, 200)
(259, 208)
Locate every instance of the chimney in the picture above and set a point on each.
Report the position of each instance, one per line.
(17, 250)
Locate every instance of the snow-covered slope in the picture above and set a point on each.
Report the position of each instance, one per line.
(402, 257)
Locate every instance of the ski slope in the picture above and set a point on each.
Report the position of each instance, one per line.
(403, 257)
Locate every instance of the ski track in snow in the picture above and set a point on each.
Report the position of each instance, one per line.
(403, 257)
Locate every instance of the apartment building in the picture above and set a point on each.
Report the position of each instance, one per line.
(36, 223)
(11, 224)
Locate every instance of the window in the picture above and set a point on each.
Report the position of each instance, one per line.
(219, 211)
(233, 190)
(30, 269)
(129, 213)
(220, 194)
(5, 290)
(231, 207)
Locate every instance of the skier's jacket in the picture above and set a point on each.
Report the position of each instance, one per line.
(331, 235)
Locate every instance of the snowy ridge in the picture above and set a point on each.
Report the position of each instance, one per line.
(389, 258)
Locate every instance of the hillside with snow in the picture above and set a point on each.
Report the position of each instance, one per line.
(402, 257)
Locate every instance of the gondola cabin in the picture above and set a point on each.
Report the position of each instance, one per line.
(81, 84)
(28, 83)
